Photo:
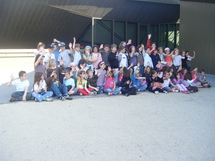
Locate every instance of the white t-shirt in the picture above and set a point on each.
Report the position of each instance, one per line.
(47, 58)
(124, 61)
(77, 57)
(177, 60)
(36, 86)
(147, 59)
(20, 86)
(166, 83)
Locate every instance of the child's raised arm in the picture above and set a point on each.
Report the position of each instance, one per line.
(11, 80)
(38, 60)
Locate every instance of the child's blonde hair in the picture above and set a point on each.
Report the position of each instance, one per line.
(51, 61)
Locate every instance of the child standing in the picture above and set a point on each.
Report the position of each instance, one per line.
(122, 58)
(133, 56)
(22, 85)
(177, 61)
(40, 92)
(88, 57)
(110, 84)
(189, 59)
(82, 84)
(38, 65)
(76, 54)
(105, 54)
(147, 58)
(155, 58)
(70, 83)
(168, 57)
(96, 56)
(65, 54)
(49, 55)
(140, 59)
(113, 57)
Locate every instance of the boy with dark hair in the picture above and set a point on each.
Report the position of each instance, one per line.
(105, 52)
(22, 85)
(92, 81)
(113, 57)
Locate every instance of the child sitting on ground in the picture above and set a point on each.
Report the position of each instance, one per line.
(22, 85)
(203, 80)
(110, 84)
(139, 82)
(40, 92)
(195, 78)
(70, 83)
(155, 83)
(82, 84)
(165, 86)
(57, 88)
(180, 84)
(125, 83)
(92, 81)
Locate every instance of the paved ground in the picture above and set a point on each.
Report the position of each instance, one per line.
(164, 127)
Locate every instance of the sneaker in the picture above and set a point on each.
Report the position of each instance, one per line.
(110, 94)
(156, 92)
(68, 97)
(165, 92)
(36, 100)
(120, 92)
(126, 94)
(62, 98)
(176, 91)
(80, 94)
(94, 92)
(12, 99)
(49, 99)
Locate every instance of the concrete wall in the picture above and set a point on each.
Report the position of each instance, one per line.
(197, 32)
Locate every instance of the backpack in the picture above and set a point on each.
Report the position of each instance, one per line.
(193, 89)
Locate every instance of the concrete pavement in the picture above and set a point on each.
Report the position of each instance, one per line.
(147, 127)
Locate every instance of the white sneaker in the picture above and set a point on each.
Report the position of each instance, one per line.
(156, 92)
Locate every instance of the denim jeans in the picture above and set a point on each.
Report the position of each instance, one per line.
(59, 91)
(101, 88)
(19, 94)
(168, 88)
(43, 97)
(115, 92)
(141, 87)
(74, 89)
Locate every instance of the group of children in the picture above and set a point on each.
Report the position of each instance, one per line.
(107, 69)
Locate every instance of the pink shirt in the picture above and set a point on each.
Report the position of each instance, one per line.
(109, 82)
(120, 77)
(97, 58)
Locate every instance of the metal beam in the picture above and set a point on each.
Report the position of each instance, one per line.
(162, 1)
